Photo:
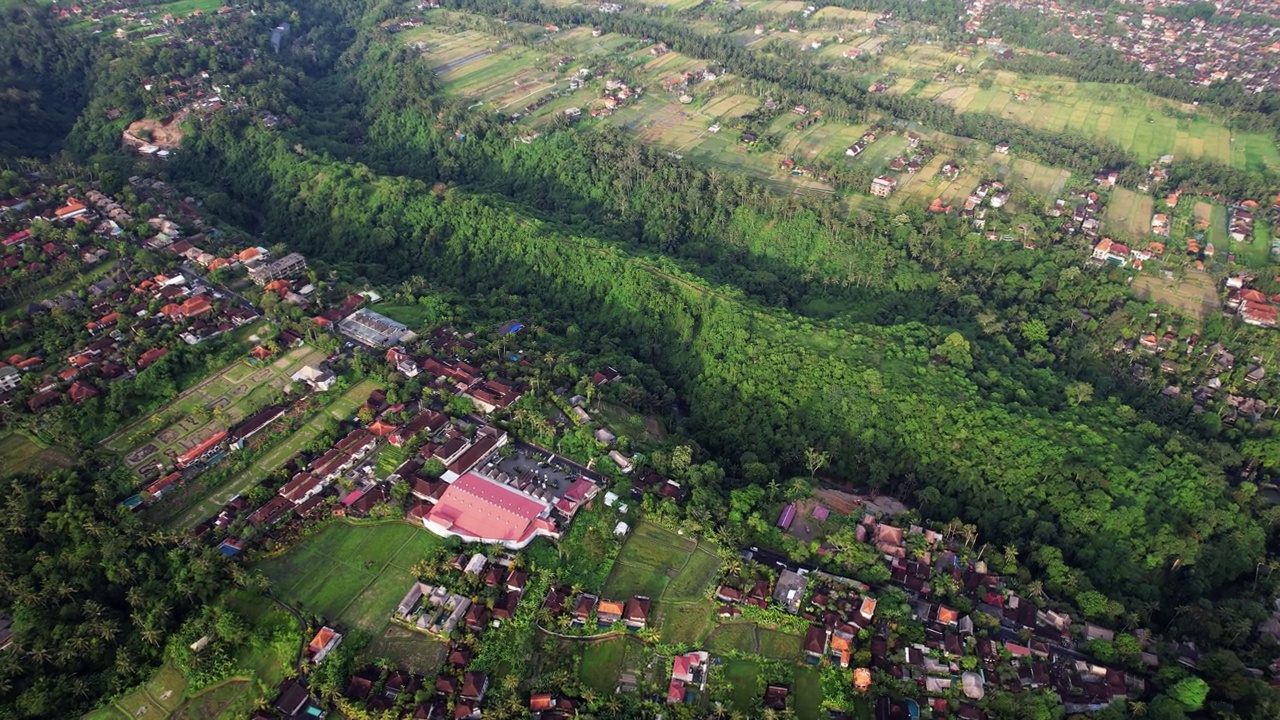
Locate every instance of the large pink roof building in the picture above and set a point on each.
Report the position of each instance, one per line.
(477, 509)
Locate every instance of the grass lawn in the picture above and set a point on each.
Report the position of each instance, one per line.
(689, 584)
(139, 704)
(744, 677)
(779, 645)
(186, 7)
(1194, 295)
(1255, 254)
(601, 663)
(414, 316)
(734, 636)
(1128, 214)
(648, 561)
(19, 452)
(405, 648)
(167, 687)
(351, 574)
(212, 703)
(807, 692)
(685, 623)
(106, 713)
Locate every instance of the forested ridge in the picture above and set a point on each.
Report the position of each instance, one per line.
(968, 377)
(43, 85)
(1081, 484)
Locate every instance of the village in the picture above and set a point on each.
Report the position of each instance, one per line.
(1226, 49)
(446, 459)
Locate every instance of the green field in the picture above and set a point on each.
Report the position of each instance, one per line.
(182, 8)
(739, 636)
(1255, 254)
(275, 458)
(1128, 215)
(807, 692)
(697, 573)
(779, 645)
(1139, 122)
(601, 663)
(20, 453)
(350, 574)
(416, 317)
(685, 623)
(646, 559)
(744, 677)
(405, 648)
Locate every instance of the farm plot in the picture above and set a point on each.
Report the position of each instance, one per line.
(277, 457)
(743, 677)
(1194, 294)
(20, 453)
(350, 574)
(1128, 214)
(601, 664)
(405, 648)
(1137, 121)
(215, 404)
(1041, 179)
(647, 562)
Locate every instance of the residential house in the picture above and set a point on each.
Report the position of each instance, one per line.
(325, 640)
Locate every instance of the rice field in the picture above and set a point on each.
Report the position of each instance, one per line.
(473, 64)
(350, 574)
(1128, 214)
(1133, 119)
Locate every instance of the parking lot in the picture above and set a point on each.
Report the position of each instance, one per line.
(548, 475)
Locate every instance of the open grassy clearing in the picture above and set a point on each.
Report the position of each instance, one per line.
(1043, 180)
(691, 582)
(740, 636)
(1256, 252)
(685, 623)
(1140, 122)
(1194, 294)
(1218, 227)
(807, 692)
(405, 648)
(647, 562)
(743, 677)
(19, 453)
(601, 663)
(779, 645)
(215, 702)
(1128, 214)
(350, 574)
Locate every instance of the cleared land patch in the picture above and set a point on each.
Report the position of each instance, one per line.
(351, 574)
(1194, 294)
(1128, 214)
(19, 453)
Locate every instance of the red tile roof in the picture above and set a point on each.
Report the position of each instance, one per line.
(202, 448)
(478, 507)
(149, 357)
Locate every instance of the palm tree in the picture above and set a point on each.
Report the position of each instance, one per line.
(1137, 708)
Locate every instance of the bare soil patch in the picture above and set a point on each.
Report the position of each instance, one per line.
(164, 134)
